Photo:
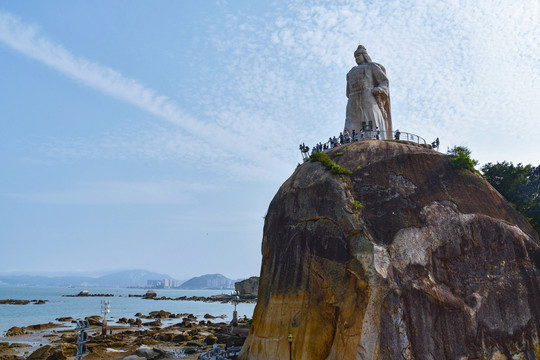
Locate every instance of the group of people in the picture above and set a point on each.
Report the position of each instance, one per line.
(343, 138)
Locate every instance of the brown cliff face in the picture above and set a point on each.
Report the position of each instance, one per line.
(437, 265)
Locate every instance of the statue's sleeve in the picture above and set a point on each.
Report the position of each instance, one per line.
(347, 90)
(381, 81)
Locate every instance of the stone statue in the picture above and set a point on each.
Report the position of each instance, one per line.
(368, 107)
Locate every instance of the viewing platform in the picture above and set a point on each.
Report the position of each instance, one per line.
(344, 139)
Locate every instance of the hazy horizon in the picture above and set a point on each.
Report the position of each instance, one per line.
(103, 272)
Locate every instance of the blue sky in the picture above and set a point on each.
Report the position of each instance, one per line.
(155, 134)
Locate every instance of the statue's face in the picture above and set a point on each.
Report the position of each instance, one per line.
(359, 57)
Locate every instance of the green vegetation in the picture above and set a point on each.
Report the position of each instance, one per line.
(329, 164)
(357, 205)
(461, 158)
(358, 168)
(339, 154)
(519, 184)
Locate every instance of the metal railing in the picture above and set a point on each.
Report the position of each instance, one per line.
(394, 135)
(82, 338)
(363, 135)
(218, 353)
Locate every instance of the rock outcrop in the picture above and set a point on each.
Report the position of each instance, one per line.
(150, 294)
(249, 287)
(407, 258)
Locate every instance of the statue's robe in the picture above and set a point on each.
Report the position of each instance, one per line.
(364, 108)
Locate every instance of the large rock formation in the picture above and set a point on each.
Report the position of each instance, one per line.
(436, 265)
(247, 287)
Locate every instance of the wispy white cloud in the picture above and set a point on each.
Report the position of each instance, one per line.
(28, 40)
(119, 192)
(467, 72)
(236, 148)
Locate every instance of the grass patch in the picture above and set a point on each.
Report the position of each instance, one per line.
(330, 165)
(339, 154)
(358, 168)
(357, 205)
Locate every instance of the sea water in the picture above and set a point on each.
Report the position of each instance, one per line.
(121, 305)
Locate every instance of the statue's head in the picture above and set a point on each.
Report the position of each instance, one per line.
(361, 56)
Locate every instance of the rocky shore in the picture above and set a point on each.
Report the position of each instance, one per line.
(21, 302)
(126, 338)
(222, 298)
(85, 293)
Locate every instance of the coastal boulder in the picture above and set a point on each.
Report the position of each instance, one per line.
(161, 314)
(405, 258)
(65, 319)
(150, 294)
(14, 331)
(156, 322)
(14, 302)
(49, 352)
(94, 320)
(248, 287)
(147, 353)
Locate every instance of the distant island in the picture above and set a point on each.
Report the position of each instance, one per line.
(209, 282)
(129, 278)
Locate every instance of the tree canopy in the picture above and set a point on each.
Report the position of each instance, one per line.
(519, 184)
(461, 158)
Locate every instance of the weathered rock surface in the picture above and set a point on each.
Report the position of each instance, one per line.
(15, 330)
(436, 265)
(248, 287)
(49, 352)
(94, 320)
(65, 319)
(166, 343)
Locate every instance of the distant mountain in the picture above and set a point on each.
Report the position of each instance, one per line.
(117, 279)
(130, 278)
(209, 282)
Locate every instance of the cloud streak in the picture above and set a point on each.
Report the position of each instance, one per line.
(27, 40)
(236, 149)
(465, 69)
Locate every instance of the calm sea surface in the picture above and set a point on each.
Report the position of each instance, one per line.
(121, 305)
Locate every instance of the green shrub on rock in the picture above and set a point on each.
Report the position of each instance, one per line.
(357, 205)
(329, 164)
(461, 158)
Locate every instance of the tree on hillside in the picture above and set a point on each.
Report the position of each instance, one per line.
(519, 184)
(461, 158)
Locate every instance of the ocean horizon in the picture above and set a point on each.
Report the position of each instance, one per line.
(122, 305)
